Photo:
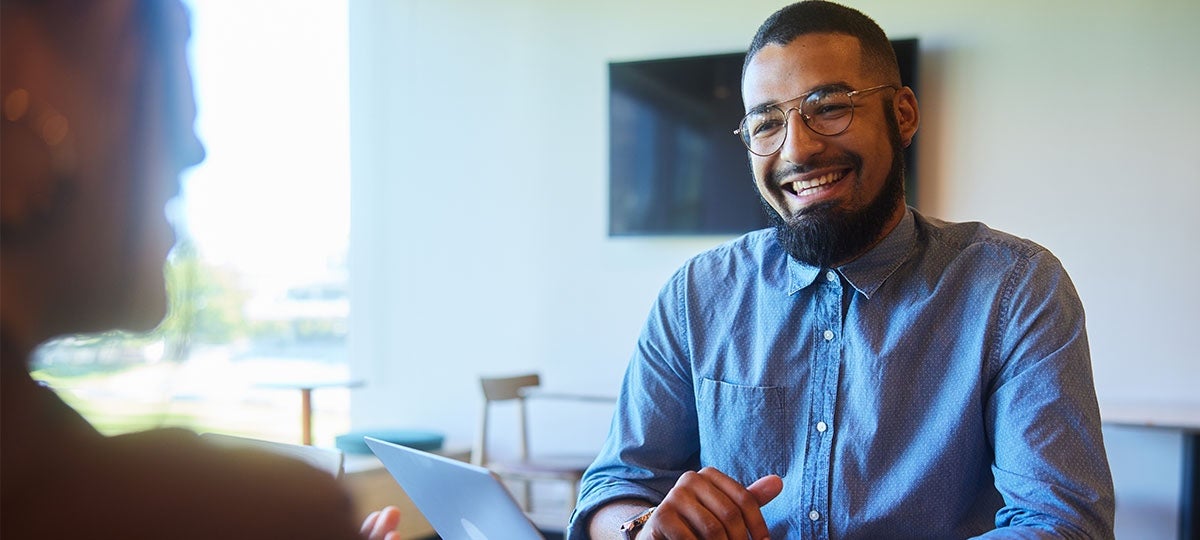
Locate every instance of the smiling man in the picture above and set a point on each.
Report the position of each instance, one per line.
(859, 370)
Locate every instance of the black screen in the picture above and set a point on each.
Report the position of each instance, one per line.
(675, 166)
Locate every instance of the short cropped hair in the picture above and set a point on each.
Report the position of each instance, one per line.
(819, 16)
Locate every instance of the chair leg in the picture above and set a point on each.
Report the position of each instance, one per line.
(527, 489)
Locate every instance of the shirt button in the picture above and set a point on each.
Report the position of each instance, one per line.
(829, 335)
(814, 515)
(822, 426)
(830, 276)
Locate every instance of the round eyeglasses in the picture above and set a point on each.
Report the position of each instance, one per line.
(826, 111)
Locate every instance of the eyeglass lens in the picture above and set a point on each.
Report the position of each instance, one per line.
(825, 112)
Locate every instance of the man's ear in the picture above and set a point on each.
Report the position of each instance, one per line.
(908, 114)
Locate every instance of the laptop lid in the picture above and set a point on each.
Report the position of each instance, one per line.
(461, 501)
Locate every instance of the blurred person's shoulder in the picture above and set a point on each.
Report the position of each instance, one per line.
(163, 483)
(249, 493)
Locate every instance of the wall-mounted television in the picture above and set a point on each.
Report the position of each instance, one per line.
(675, 166)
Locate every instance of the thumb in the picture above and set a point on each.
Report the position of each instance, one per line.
(766, 488)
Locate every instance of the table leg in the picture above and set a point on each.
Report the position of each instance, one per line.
(306, 416)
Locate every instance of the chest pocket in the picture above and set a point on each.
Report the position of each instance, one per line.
(745, 431)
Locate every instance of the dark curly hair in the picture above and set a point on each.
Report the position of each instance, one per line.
(818, 16)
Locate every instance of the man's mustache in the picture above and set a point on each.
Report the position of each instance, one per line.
(777, 175)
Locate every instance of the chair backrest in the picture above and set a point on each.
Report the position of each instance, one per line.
(506, 388)
(503, 389)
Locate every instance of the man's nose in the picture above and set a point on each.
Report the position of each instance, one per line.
(801, 143)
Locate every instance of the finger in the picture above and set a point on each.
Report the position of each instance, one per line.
(765, 489)
(668, 523)
(748, 500)
(368, 524)
(682, 516)
(385, 523)
(731, 502)
(704, 508)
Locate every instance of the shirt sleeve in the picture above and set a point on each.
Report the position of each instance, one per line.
(654, 437)
(1042, 416)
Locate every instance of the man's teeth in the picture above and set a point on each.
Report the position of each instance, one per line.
(801, 185)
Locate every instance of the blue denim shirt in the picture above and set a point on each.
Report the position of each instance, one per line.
(937, 387)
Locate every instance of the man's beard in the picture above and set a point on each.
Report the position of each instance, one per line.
(824, 234)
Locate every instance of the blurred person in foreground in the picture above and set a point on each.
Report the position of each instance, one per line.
(860, 370)
(98, 124)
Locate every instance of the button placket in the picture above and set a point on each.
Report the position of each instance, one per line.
(826, 366)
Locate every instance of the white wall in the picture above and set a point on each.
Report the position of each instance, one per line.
(479, 186)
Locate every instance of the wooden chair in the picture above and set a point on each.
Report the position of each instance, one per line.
(530, 467)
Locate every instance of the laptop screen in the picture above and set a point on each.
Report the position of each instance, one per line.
(461, 501)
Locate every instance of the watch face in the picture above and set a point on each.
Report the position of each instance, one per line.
(631, 527)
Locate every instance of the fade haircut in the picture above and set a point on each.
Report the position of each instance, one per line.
(818, 16)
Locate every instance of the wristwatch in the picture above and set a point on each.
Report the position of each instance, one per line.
(630, 528)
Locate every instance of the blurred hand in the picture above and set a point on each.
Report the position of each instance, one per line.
(710, 505)
(381, 524)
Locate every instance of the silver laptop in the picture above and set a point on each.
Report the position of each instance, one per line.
(461, 501)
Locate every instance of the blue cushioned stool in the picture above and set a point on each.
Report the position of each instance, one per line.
(352, 443)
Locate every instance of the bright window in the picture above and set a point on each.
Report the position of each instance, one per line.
(259, 279)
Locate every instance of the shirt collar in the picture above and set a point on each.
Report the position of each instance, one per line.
(867, 273)
(801, 275)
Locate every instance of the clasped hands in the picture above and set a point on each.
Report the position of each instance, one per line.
(710, 505)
